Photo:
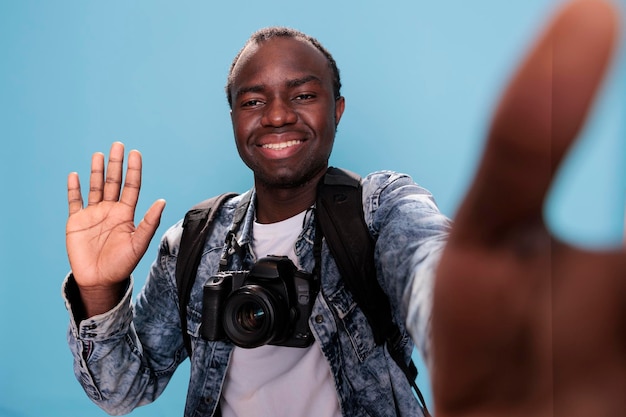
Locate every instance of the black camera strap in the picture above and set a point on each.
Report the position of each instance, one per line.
(230, 243)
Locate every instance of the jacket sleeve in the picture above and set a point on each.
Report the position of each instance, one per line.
(410, 235)
(119, 366)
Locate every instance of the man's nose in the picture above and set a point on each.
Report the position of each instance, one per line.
(278, 112)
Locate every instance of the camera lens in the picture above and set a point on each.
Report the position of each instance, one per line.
(250, 316)
(255, 316)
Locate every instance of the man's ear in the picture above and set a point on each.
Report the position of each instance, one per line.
(340, 105)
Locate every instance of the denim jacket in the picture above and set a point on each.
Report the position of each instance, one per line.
(125, 357)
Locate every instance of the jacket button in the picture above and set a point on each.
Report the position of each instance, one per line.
(319, 318)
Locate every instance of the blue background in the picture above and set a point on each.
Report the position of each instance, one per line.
(420, 80)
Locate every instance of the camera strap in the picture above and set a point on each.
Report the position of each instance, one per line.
(231, 245)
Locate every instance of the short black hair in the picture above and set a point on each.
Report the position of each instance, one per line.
(284, 32)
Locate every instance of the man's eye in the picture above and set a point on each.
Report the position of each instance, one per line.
(251, 103)
(305, 96)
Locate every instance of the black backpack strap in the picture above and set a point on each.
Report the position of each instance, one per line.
(340, 214)
(196, 228)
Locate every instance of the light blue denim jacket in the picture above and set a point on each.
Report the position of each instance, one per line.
(125, 357)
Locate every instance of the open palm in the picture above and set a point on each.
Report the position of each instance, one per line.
(103, 244)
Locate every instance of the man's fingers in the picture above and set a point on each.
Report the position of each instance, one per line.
(74, 196)
(107, 185)
(96, 179)
(537, 119)
(132, 183)
(113, 182)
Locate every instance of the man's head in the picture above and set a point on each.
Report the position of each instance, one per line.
(283, 88)
(284, 32)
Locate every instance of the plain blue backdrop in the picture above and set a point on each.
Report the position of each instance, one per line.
(420, 80)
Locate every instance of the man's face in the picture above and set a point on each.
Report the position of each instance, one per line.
(284, 112)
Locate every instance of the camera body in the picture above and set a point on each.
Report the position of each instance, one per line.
(269, 304)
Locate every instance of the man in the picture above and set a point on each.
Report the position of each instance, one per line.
(505, 318)
(285, 105)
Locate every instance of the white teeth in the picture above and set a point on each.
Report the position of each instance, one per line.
(282, 145)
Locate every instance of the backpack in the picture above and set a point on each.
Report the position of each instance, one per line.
(339, 214)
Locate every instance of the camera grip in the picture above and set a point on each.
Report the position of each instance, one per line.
(214, 292)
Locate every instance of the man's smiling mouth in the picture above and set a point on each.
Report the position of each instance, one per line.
(281, 145)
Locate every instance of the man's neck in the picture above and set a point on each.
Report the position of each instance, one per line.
(277, 204)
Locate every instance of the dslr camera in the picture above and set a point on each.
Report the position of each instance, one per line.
(269, 304)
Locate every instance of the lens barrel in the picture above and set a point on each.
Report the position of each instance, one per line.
(254, 316)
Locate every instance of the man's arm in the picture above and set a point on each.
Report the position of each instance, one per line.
(121, 359)
(524, 324)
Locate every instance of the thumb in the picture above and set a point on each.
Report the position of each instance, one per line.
(147, 226)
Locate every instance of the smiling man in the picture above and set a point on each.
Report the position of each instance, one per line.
(504, 296)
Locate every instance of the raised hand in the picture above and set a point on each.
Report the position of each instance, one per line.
(103, 244)
(523, 324)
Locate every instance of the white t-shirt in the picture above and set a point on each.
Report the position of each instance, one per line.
(275, 381)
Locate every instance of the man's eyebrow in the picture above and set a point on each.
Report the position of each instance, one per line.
(249, 89)
(303, 80)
